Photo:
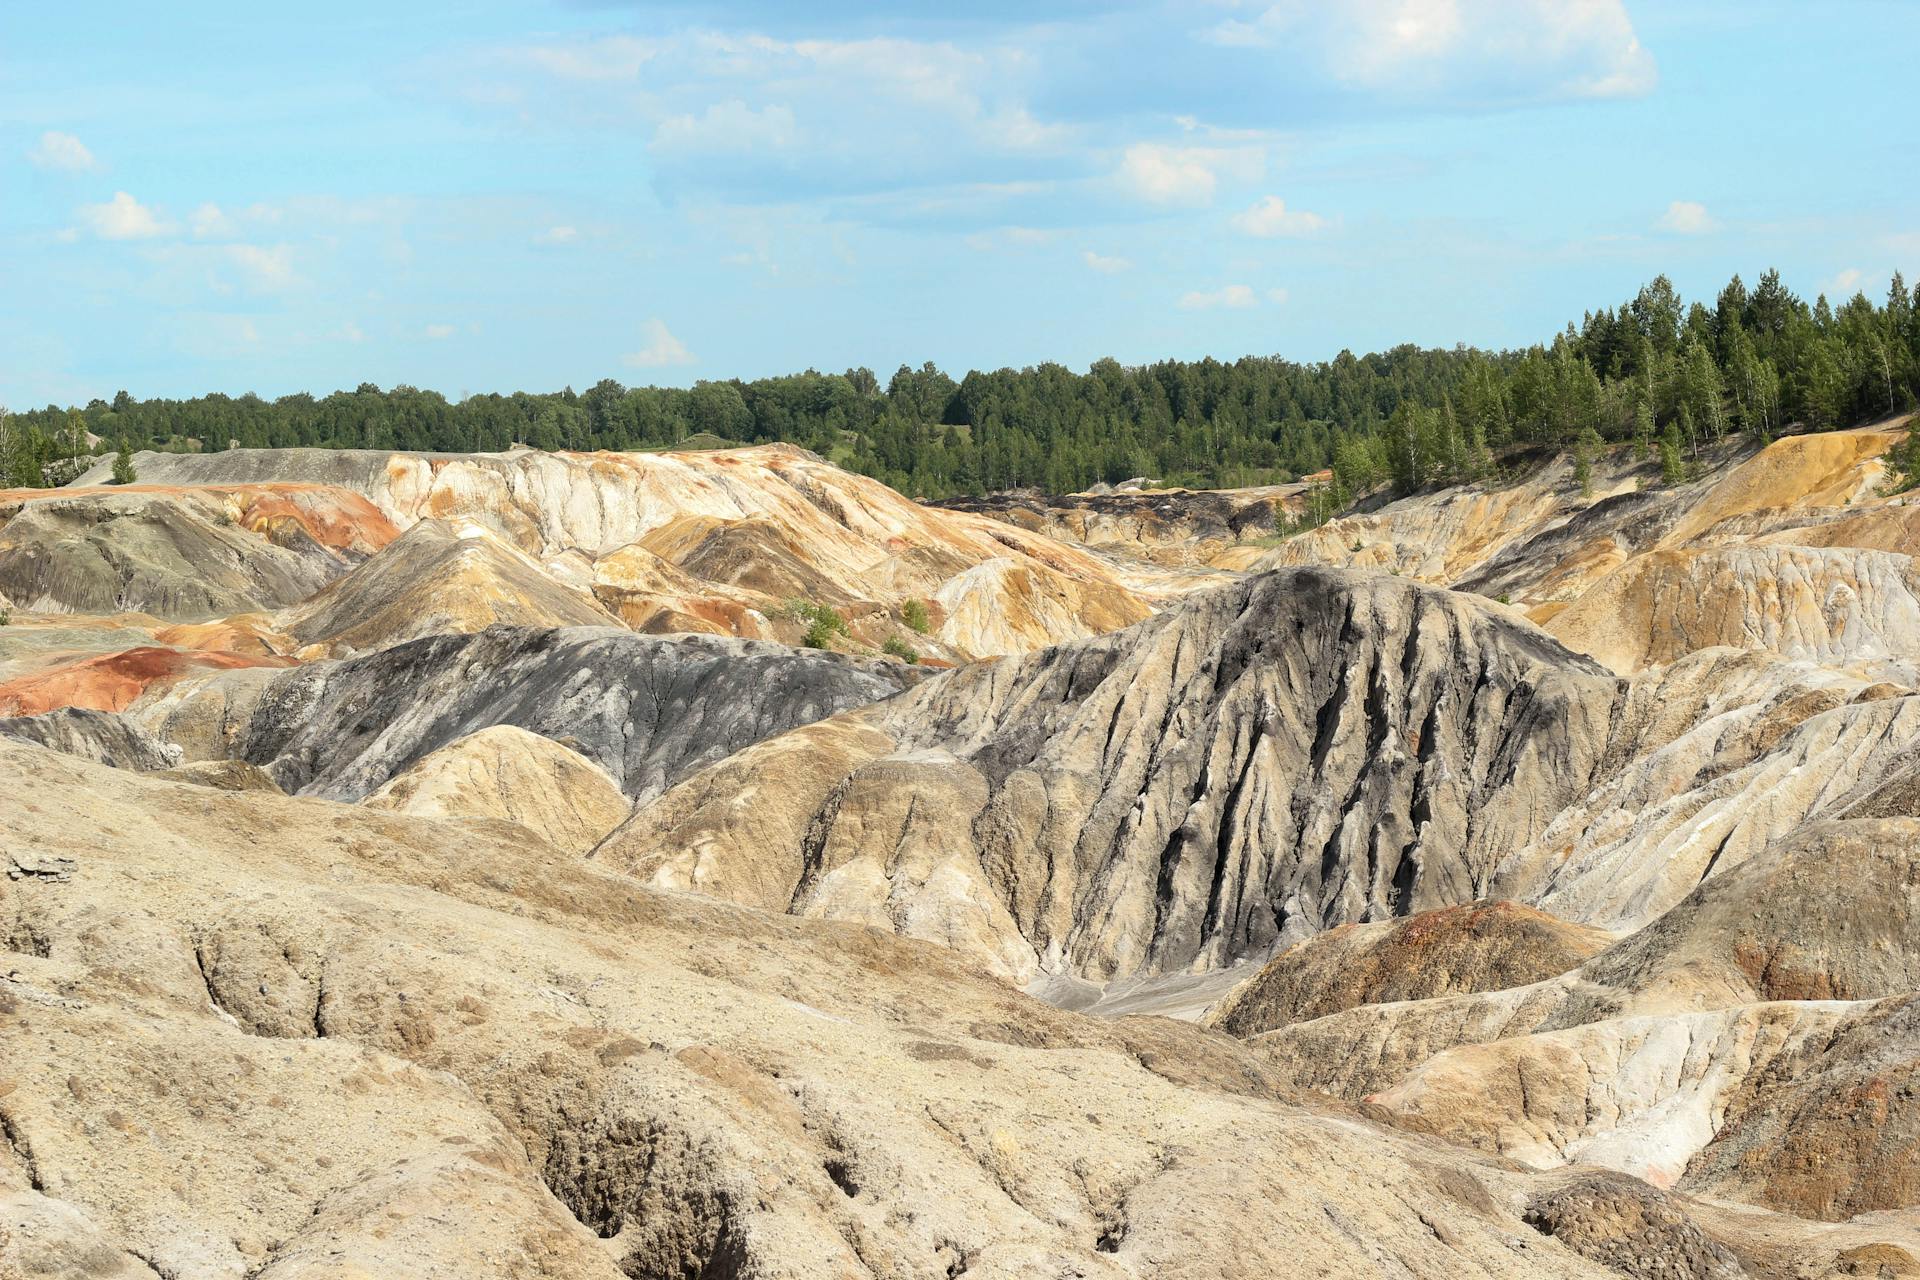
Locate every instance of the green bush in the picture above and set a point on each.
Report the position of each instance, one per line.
(896, 647)
(123, 472)
(823, 622)
(914, 614)
(1904, 463)
(6, 615)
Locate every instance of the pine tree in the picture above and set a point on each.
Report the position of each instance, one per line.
(1672, 468)
(123, 472)
(1904, 462)
(9, 448)
(1586, 447)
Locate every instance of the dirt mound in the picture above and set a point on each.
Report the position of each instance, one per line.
(1483, 946)
(113, 681)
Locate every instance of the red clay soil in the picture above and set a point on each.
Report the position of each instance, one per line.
(333, 517)
(112, 681)
(337, 518)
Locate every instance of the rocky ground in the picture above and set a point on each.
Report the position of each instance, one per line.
(443, 866)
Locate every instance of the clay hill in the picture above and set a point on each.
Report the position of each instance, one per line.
(441, 865)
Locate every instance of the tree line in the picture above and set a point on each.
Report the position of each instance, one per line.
(1668, 374)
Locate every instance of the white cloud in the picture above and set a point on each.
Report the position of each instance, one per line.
(1185, 175)
(662, 349)
(1011, 238)
(1236, 296)
(1846, 283)
(1489, 50)
(608, 58)
(1687, 218)
(1271, 217)
(1104, 265)
(62, 151)
(1278, 297)
(727, 126)
(350, 332)
(558, 235)
(266, 269)
(1016, 129)
(208, 222)
(123, 218)
(438, 331)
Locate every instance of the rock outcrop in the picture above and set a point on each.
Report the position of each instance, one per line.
(99, 736)
(1834, 604)
(1175, 526)
(508, 773)
(180, 554)
(1484, 946)
(437, 578)
(751, 526)
(1655, 1050)
(1830, 1129)
(1304, 749)
(648, 710)
(115, 681)
(261, 1035)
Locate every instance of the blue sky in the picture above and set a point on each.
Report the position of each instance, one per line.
(494, 196)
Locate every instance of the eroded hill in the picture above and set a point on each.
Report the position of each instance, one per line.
(1539, 864)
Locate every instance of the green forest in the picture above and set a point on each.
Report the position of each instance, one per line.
(1668, 373)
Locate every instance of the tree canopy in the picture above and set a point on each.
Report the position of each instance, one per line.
(1658, 370)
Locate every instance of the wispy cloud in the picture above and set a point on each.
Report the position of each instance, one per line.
(265, 269)
(123, 218)
(558, 236)
(437, 332)
(662, 349)
(1271, 217)
(727, 126)
(1234, 296)
(608, 58)
(1687, 218)
(1480, 50)
(209, 222)
(1104, 265)
(1845, 283)
(62, 152)
(1176, 175)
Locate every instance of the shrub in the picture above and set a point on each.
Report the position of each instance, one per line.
(6, 615)
(896, 647)
(914, 614)
(823, 622)
(123, 472)
(1904, 462)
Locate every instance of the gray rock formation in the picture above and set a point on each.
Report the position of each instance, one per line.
(1296, 751)
(170, 555)
(100, 736)
(431, 579)
(647, 709)
(362, 470)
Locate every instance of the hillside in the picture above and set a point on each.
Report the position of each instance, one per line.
(1545, 853)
